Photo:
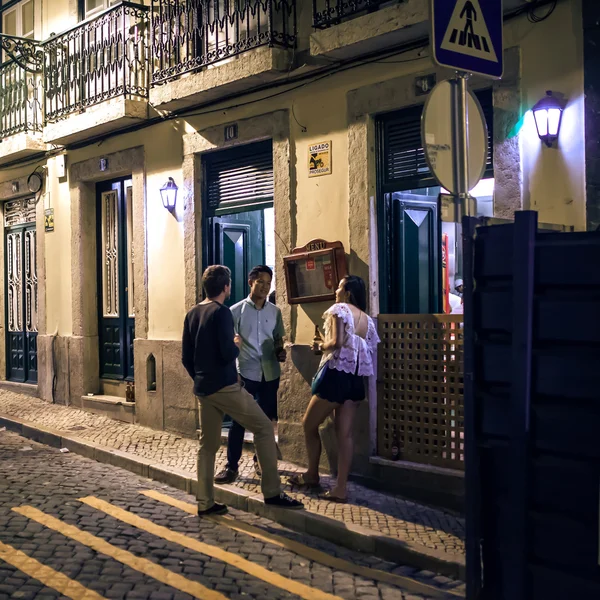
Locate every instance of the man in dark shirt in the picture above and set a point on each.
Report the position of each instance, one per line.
(209, 352)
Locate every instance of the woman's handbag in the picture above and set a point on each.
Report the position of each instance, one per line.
(318, 378)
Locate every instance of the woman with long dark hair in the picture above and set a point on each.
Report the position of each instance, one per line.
(350, 344)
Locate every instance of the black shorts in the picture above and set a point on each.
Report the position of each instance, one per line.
(337, 386)
(265, 394)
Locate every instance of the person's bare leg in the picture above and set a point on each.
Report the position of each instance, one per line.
(344, 427)
(318, 410)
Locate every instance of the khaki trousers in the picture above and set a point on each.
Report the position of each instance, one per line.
(235, 401)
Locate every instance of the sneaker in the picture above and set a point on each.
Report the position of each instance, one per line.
(226, 476)
(257, 467)
(215, 509)
(284, 501)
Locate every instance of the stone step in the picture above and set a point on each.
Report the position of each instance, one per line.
(113, 407)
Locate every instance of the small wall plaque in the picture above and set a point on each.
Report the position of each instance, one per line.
(103, 164)
(231, 132)
(49, 220)
(15, 187)
(319, 159)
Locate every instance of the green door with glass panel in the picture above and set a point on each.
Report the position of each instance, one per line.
(116, 318)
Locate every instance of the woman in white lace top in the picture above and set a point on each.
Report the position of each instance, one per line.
(348, 352)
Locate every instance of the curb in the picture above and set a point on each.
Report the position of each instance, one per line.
(349, 536)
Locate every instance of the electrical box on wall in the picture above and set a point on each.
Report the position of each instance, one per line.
(61, 165)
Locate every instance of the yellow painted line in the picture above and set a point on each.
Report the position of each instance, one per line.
(49, 577)
(142, 565)
(294, 587)
(339, 564)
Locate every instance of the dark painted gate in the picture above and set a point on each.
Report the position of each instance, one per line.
(20, 251)
(532, 412)
(116, 324)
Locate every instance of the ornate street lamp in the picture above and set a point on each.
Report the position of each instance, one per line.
(168, 194)
(548, 116)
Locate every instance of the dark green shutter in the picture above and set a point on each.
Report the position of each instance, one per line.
(404, 164)
(239, 179)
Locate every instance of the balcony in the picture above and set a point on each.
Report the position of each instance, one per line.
(332, 12)
(346, 29)
(97, 73)
(204, 48)
(20, 112)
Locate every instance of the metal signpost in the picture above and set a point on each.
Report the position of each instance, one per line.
(466, 36)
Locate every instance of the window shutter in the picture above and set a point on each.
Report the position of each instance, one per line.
(239, 179)
(404, 164)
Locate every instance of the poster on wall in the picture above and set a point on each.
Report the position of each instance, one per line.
(49, 220)
(319, 159)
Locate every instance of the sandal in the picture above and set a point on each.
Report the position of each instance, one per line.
(332, 498)
(300, 481)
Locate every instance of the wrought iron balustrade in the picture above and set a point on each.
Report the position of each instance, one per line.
(332, 12)
(20, 100)
(101, 58)
(191, 34)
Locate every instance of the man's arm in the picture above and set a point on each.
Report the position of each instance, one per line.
(225, 334)
(279, 331)
(187, 349)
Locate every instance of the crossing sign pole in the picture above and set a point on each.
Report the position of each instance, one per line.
(467, 37)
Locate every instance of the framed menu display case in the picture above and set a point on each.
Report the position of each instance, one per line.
(312, 272)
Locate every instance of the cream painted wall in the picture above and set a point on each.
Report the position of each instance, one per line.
(552, 59)
(57, 16)
(58, 254)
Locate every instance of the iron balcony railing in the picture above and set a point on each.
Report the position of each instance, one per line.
(332, 12)
(20, 100)
(103, 57)
(191, 34)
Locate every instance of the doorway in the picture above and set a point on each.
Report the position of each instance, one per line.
(116, 317)
(239, 222)
(21, 290)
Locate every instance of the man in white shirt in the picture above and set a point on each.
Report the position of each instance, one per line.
(259, 325)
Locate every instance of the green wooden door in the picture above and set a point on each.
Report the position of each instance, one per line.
(415, 280)
(238, 243)
(116, 319)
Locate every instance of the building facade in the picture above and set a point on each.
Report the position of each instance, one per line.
(226, 98)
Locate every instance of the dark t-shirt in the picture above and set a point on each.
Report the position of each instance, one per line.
(208, 350)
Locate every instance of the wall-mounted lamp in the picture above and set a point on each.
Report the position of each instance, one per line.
(548, 115)
(168, 194)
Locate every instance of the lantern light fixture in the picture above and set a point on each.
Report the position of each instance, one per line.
(548, 116)
(168, 194)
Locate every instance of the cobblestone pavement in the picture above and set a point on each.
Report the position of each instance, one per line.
(53, 482)
(383, 513)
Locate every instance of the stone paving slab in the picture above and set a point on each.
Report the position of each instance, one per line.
(382, 515)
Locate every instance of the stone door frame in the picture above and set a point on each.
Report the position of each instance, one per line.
(6, 193)
(83, 348)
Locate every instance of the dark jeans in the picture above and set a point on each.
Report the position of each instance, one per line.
(265, 394)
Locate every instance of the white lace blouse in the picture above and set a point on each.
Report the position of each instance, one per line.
(354, 348)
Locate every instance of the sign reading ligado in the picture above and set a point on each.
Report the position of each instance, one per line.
(319, 159)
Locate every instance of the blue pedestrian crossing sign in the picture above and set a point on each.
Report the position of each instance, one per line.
(467, 35)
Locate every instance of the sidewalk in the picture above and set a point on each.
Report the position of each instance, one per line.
(378, 523)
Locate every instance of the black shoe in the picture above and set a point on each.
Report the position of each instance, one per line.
(284, 501)
(215, 509)
(226, 476)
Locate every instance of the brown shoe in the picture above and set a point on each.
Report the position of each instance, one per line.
(227, 475)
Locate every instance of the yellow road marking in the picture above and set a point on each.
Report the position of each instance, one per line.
(49, 577)
(407, 583)
(294, 587)
(142, 565)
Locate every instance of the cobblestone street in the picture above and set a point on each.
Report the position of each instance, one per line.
(71, 527)
(382, 513)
